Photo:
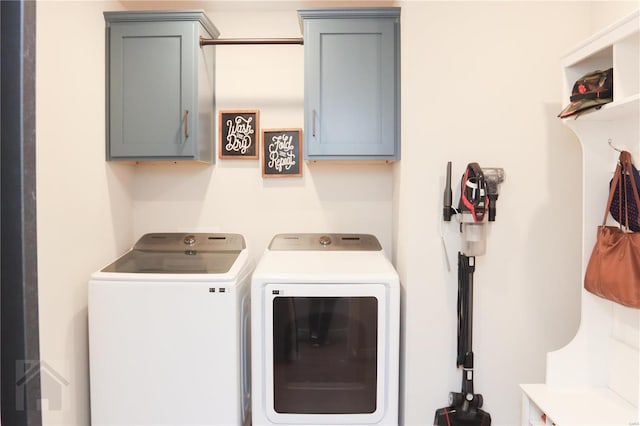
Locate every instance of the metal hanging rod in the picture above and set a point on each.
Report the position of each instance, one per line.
(230, 41)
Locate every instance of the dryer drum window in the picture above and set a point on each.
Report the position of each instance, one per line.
(325, 354)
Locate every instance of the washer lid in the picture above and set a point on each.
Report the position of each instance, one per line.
(325, 242)
(178, 253)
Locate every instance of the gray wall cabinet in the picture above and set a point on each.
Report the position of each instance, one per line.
(160, 86)
(352, 83)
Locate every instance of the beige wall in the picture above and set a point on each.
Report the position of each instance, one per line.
(480, 82)
(84, 205)
(483, 85)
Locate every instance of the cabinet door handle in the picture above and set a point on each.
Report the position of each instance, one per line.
(185, 123)
(313, 123)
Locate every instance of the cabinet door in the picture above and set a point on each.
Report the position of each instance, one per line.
(351, 88)
(151, 105)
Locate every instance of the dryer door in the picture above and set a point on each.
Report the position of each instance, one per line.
(326, 353)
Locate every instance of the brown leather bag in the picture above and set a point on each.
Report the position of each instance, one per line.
(613, 271)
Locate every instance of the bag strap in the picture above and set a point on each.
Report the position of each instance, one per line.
(622, 194)
(612, 190)
(627, 166)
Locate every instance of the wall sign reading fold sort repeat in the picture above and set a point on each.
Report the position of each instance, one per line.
(281, 152)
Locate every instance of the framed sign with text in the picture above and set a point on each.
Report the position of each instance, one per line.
(282, 153)
(239, 133)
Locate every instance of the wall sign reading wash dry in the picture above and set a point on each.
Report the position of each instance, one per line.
(282, 152)
(239, 131)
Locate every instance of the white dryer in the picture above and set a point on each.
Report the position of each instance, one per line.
(325, 332)
(168, 333)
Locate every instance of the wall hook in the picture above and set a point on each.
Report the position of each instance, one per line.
(610, 142)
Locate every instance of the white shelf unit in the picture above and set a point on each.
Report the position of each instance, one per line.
(548, 405)
(595, 379)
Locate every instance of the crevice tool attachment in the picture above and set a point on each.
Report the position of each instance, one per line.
(447, 210)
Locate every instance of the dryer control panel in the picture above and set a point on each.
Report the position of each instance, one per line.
(325, 242)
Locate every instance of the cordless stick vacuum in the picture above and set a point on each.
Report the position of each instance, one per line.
(478, 195)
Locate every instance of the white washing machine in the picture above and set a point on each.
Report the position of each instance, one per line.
(325, 313)
(168, 333)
